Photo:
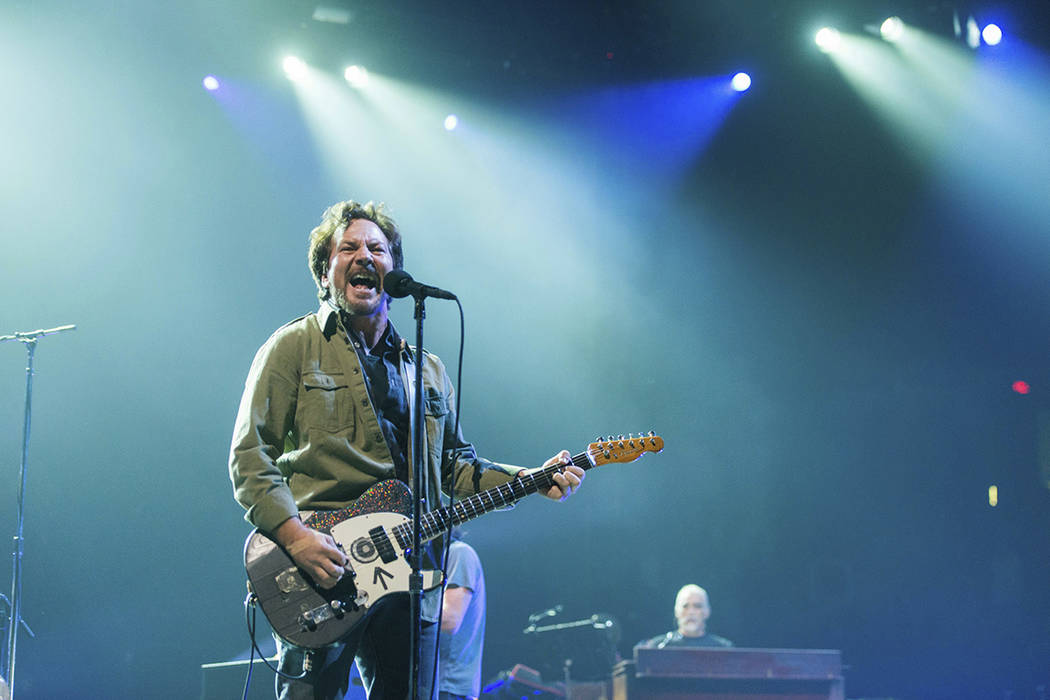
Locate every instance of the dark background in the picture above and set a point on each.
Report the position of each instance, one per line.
(821, 313)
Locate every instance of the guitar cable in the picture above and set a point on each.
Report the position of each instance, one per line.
(451, 501)
(250, 606)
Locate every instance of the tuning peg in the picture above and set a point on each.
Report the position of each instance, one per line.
(599, 439)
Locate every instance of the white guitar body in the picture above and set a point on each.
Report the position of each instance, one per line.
(377, 572)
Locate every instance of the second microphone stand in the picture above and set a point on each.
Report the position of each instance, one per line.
(7, 667)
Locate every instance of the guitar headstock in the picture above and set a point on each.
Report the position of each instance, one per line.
(623, 449)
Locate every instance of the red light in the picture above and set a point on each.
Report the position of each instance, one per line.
(609, 55)
(1021, 387)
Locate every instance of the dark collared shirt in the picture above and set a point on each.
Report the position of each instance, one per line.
(387, 392)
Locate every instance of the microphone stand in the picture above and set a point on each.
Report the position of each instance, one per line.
(7, 668)
(415, 586)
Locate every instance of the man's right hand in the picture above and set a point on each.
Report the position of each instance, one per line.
(314, 552)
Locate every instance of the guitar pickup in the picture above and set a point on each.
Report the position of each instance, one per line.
(382, 544)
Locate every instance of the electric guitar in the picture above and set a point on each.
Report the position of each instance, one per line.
(376, 534)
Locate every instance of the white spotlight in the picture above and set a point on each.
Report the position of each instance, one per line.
(741, 82)
(294, 67)
(451, 122)
(892, 29)
(973, 33)
(828, 39)
(992, 34)
(211, 83)
(356, 76)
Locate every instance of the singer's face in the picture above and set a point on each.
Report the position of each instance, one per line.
(691, 610)
(357, 264)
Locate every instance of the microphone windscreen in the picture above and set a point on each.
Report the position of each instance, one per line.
(398, 283)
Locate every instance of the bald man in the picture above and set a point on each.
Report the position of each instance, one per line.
(691, 610)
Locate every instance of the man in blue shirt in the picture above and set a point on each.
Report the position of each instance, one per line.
(462, 624)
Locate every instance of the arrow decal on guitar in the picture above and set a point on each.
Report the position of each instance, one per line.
(377, 577)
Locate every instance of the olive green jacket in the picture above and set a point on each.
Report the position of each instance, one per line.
(307, 436)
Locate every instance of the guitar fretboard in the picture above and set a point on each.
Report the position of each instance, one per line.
(441, 520)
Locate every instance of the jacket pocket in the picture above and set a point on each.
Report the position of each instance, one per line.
(435, 404)
(324, 402)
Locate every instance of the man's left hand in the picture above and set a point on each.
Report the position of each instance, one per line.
(567, 481)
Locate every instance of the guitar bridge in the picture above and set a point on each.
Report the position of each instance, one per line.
(310, 619)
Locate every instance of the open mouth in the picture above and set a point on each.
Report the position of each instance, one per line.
(364, 281)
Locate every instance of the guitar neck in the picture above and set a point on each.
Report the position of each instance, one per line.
(436, 522)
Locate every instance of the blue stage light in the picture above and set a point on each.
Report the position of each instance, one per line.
(992, 34)
(741, 82)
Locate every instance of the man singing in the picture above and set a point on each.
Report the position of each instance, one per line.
(326, 413)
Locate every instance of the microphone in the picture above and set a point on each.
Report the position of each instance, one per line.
(550, 612)
(399, 283)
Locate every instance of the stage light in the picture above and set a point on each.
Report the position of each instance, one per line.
(451, 122)
(892, 29)
(1021, 387)
(356, 76)
(741, 82)
(973, 33)
(294, 67)
(828, 39)
(210, 83)
(992, 34)
(993, 495)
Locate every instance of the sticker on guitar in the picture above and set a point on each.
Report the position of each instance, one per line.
(376, 534)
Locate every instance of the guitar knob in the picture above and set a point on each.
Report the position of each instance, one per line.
(337, 607)
(307, 620)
